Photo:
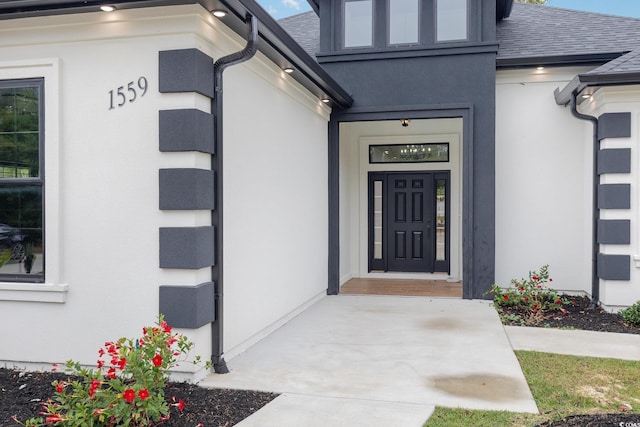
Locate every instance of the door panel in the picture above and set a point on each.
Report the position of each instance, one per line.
(411, 218)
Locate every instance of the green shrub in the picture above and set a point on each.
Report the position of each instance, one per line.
(631, 314)
(531, 297)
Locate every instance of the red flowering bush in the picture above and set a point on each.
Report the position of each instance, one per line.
(530, 297)
(127, 388)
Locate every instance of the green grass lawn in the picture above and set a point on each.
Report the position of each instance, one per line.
(561, 385)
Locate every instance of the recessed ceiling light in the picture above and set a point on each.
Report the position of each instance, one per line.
(288, 70)
(540, 68)
(219, 13)
(586, 95)
(326, 101)
(107, 8)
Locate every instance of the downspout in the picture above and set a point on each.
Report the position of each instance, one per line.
(217, 354)
(595, 281)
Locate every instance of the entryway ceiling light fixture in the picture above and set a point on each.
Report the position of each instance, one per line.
(405, 122)
(288, 70)
(107, 8)
(219, 13)
(326, 100)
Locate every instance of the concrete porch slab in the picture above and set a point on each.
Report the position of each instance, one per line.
(384, 349)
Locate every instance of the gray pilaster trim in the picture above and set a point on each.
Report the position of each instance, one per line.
(187, 189)
(187, 130)
(614, 125)
(186, 70)
(189, 307)
(614, 231)
(614, 267)
(614, 160)
(187, 247)
(614, 196)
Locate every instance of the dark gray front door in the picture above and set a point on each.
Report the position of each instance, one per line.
(410, 222)
(402, 222)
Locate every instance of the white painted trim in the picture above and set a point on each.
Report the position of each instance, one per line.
(52, 290)
(245, 345)
(33, 292)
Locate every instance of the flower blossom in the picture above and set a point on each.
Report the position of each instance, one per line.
(157, 360)
(129, 395)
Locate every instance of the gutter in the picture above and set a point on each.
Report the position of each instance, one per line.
(217, 327)
(595, 246)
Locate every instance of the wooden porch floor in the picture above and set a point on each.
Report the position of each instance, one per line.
(405, 287)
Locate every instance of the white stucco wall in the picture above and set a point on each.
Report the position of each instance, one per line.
(543, 181)
(618, 293)
(275, 199)
(102, 215)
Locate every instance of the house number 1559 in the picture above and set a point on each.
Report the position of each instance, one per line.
(120, 96)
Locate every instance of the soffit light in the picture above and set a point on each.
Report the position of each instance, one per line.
(219, 13)
(540, 68)
(288, 70)
(326, 100)
(107, 8)
(405, 122)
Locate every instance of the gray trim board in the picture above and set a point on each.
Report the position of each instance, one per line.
(188, 307)
(614, 231)
(187, 189)
(187, 247)
(614, 196)
(186, 130)
(186, 70)
(614, 125)
(614, 267)
(614, 160)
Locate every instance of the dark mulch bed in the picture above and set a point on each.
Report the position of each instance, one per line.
(579, 316)
(601, 420)
(21, 394)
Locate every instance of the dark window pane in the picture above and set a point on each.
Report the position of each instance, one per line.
(19, 132)
(21, 186)
(409, 153)
(21, 242)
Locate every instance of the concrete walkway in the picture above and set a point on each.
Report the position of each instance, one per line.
(380, 361)
(575, 342)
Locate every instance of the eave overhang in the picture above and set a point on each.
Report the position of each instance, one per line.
(590, 83)
(275, 43)
(556, 60)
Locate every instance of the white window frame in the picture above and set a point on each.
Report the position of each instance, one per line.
(52, 290)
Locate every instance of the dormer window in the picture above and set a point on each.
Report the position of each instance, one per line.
(404, 16)
(358, 23)
(382, 24)
(451, 20)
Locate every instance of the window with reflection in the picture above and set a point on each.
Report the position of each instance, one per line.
(358, 23)
(403, 21)
(451, 20)
(21, 181)
(409, 153)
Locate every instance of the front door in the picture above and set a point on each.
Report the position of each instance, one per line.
(407, 221)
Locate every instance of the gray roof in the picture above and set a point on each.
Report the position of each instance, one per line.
(629, 63)
(305, 29)
(532, 34)
(535, 31)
